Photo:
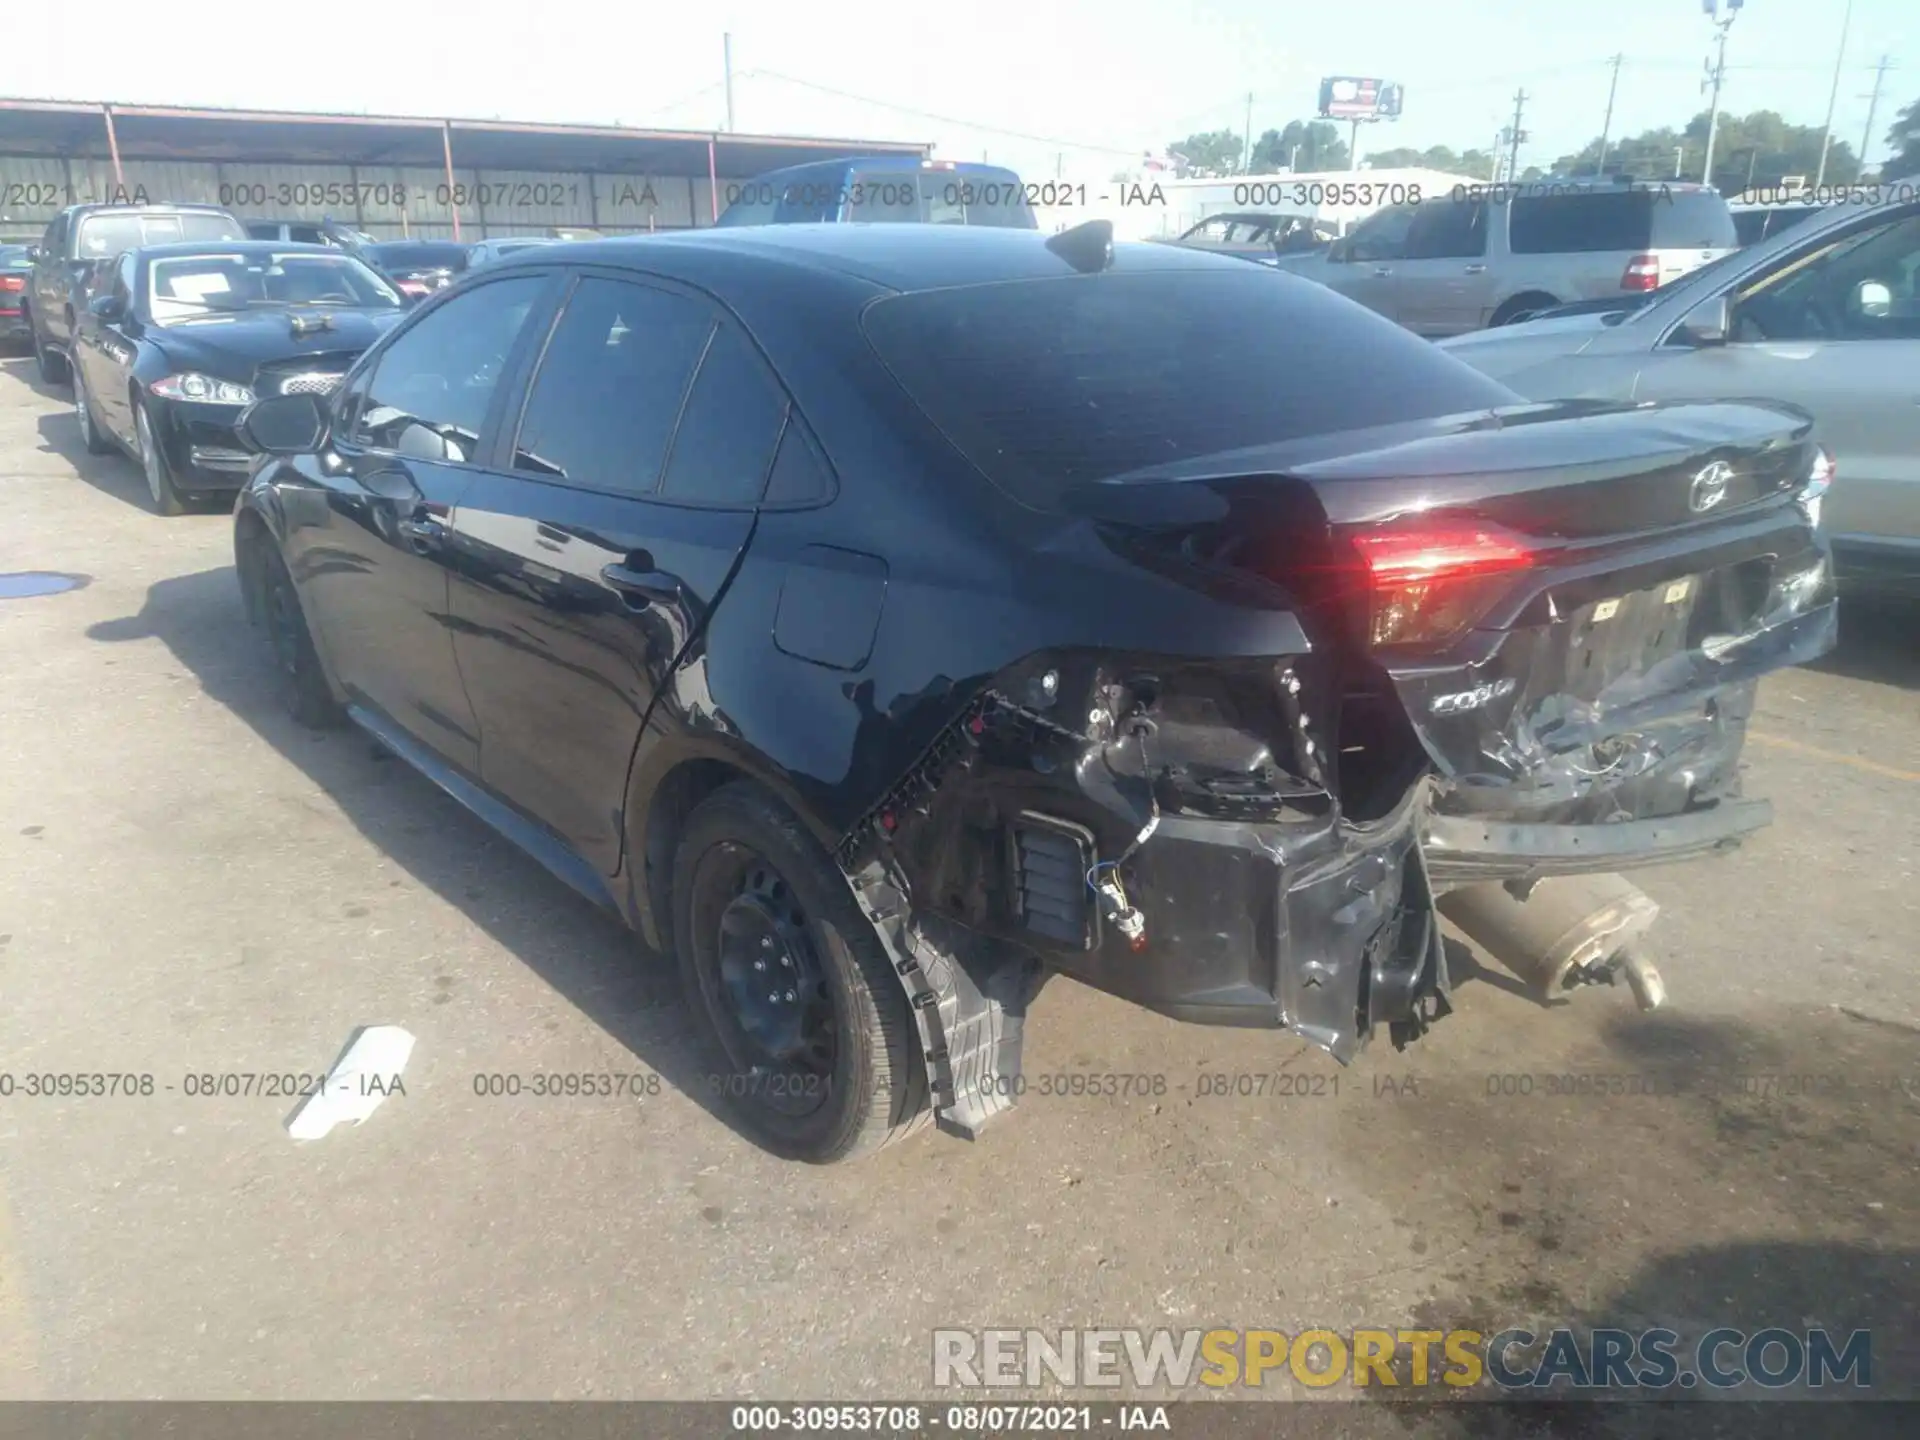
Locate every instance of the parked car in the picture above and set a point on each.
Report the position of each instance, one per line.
(311, 232)
(182, 338)
(485, 252)
(783, 591)
(1256, 236)
(883, 189)
(16, 270)
(85, 239)
(1825, 315)
(419, 267)
(1491, 255)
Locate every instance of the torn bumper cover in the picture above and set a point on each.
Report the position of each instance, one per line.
(1609, 737)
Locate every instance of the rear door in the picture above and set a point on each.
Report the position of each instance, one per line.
(593, 551)
(1442, 286)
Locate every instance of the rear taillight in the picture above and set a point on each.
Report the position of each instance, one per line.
(1642, 273)
(1429, 581)
(1819, 480)
(12, 283)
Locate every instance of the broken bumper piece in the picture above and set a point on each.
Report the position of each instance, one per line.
(1462, 850)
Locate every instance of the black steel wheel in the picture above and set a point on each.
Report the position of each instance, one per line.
(790, 986)
(303, 684)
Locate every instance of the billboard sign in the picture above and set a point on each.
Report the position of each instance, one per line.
(1348, 97)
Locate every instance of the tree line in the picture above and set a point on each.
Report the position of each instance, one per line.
(1758, 149)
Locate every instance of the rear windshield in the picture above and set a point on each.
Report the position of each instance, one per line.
(1652, 218)
(1045, 384)
(107, 236)
(940, 197)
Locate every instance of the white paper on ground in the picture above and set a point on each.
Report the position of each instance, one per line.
(367, 1071)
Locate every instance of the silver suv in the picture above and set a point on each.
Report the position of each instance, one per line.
(1493, 254)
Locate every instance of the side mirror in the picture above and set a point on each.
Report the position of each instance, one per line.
(33, 254)
(1872, 300)
(107, 307)
(1710, 322)
(282, 425)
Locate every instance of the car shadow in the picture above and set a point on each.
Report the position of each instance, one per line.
(116, 474)
(585, 952)
(1876, 642)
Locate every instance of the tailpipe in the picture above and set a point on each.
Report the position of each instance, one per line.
(1560, 934)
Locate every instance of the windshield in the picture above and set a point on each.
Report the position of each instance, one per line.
(11, 255)
(1047, 383)
(196, 285)
(106, 236)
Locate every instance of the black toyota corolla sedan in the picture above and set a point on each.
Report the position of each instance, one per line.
(184, 337)
(884, 618)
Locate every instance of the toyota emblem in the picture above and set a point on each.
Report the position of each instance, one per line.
(1709, 487)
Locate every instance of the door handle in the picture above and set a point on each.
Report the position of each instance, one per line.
(1380, 272)
(423, 534)
(642, 587)
(1476, 269)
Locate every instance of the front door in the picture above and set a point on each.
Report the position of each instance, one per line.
(371, 560)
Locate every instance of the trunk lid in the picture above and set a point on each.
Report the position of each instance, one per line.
(1565, 607)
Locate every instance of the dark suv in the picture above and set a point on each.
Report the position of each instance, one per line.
(78, 246)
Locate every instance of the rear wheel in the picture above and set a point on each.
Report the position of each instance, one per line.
(790, 985)
(303, 684)
(1520, 307)
(167, 498)
(90, 433)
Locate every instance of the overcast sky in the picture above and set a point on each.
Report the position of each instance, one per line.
(1091, 81)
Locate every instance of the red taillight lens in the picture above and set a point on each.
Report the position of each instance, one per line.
(1431, 581)
(1642, 273)
(13, 283)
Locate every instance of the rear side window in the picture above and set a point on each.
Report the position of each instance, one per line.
(1045, 384)
(611, 385)
(728, 430)
(1654, 218)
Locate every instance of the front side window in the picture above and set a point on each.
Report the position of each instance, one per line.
(1448, 229)
(1382, 236)
(611, 385)
(431, 387)
(1862, 286)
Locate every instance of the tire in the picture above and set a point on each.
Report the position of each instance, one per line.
(167, 499)
(749, 883)
(54, 369)
(90, 433)
(303, 683)
(1513, 311)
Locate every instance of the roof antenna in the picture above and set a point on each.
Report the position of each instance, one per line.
(1088, 247)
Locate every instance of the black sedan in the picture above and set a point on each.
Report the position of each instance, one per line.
(880, 618)
(183, 337)
(417, 268)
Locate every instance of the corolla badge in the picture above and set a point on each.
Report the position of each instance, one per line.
(1709, 487)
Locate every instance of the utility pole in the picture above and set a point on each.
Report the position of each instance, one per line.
(1606, 125)
(1873, 107)
(1246, 155)
(726, 53)
(1515, 136)
(1716, 76)
(1353, 144)
(1833, 95)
